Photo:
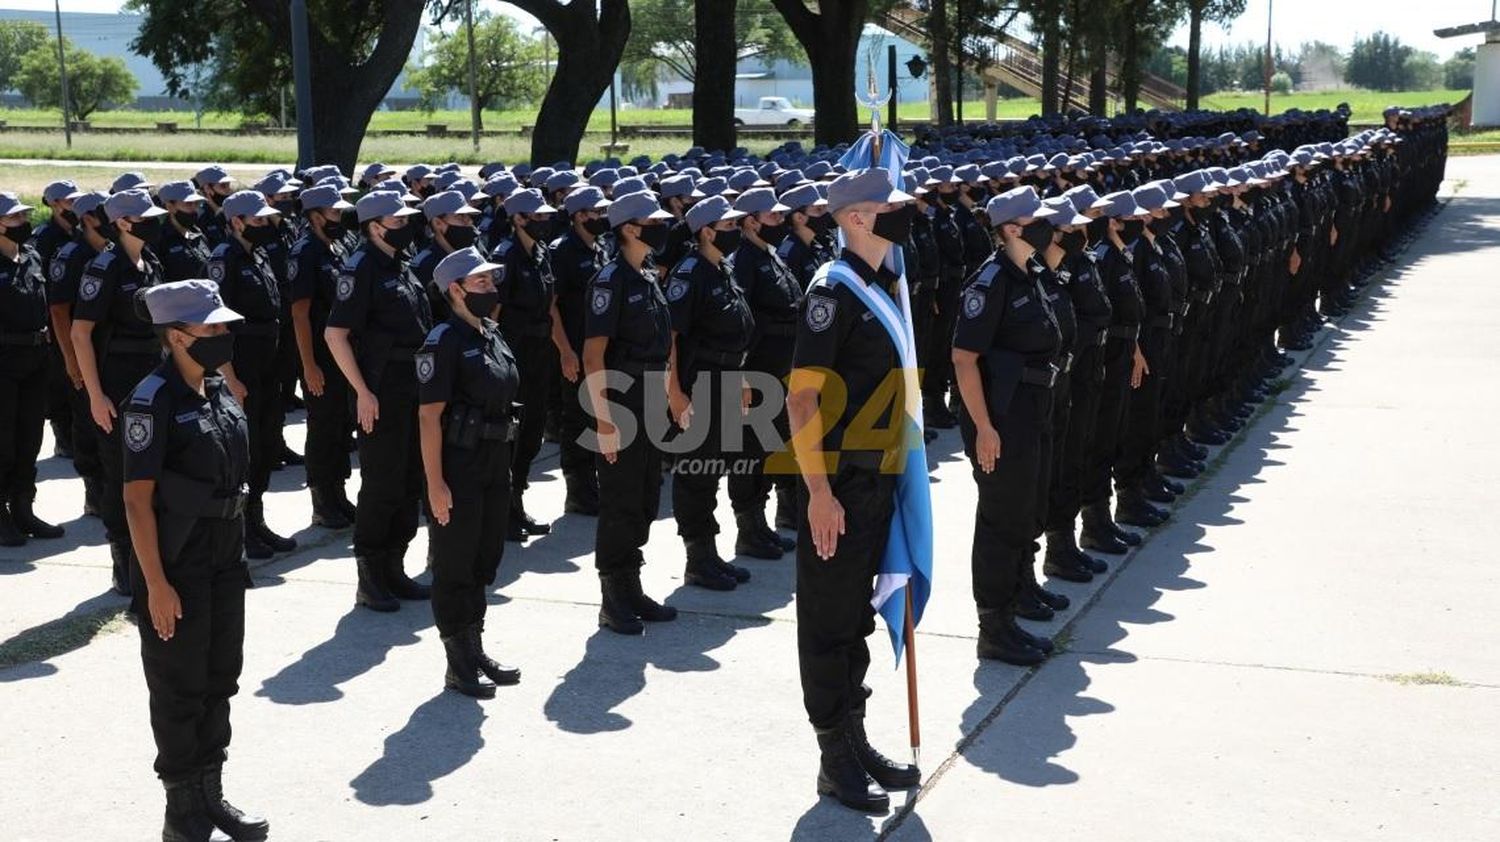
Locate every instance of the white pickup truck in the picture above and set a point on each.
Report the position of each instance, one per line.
(773, 111)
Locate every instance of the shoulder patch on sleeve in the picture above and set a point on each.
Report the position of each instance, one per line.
(821, 310)
(599, 301)
(138, 430)
(426, 366)
(59, 264)
(679, 285)
(345, 286)
(973, 304)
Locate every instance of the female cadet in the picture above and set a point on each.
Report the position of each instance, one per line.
(627, 330)
(1005, 347)
(186, 460)
(379, 320)
(467, 380)
(114, 346)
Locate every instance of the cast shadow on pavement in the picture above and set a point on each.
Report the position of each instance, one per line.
(1022, 737)
(360, 642)
(827, 820)
(27, 653)
(442, 735)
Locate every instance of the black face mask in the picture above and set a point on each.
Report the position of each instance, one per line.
(1176, 214)
(773, 234)
(211, 352)
(70, 217)
(596, 226)
(1099, 229)
(147, 230)
(820, 224)
(400, 238)
(187, 219)
(461, 237)
(1073, 243)
(538, 229)
(1037, 234)
(18, 234)
(1161, 226)
(335, 229)
(481, 304)
(260, 235)
(654, 236)
(894, 225)
(727, 241)
(1133, 229)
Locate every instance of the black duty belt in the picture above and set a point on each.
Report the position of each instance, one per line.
(256, 329)
(133, 346)
(721, 358)
(502, 430)
(223, 508)
(1131, 332)
(1046, 377)
(869, 460)
(25, 338)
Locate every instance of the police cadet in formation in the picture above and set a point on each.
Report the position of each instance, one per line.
(1123, 369)
(47, 238)
(773, 293)
(468, 383)
(1005, 349)
(627, 330)
(451, 219)
(953, 248)
(676, 194)
(577, 256)
(1078, 327)
(63, 275)
(711, 328)
(923, 267)
(215, 185)
(527, 310)
(845, 500)
(379, 320)
(24, 364)
(316, 264)
(116, 348)
(243, 273)
(186, 460)
(806, 245)
(280, 192)
(183, 249)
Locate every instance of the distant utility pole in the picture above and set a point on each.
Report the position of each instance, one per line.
(62, 74)
(302, 77)
(1270, 7)
(473, 84)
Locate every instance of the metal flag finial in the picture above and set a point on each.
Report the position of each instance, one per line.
(872, 98)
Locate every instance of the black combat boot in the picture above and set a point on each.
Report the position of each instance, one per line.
(342, 501)
(119, 575)
(186, 817)
(495, 671)
(401, 585)
(27, 522)
(998, 641)
(522, 521)
(886, 772)
(1132, 508)
(753, 540)
(704, 567)
(463, 673)
(1055, 601)
(91, 496)
(10, 535)
(371, 591)
(1156, 491)
(841, 775)
(644, 606)
(1062, 559)
(326, 511)
(290, 457)
(583, 496)
(615, 609)
(255, 521)
(786, 511)
(232, 820)
(1099, 531)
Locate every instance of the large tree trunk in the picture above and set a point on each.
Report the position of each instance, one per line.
(1130, 62)
(713, 85)
(1051, 25)
(345, 92)
(1195, 47)
(1098, 71)
(939, 61)
(830, 37)
(588, 51)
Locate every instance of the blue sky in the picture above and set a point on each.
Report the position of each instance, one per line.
(1335, 21)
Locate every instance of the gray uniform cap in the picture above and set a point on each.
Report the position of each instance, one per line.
(461, 264)
(710, 210)
(861, 186)
(633, 206)
(446, 202)
(195, 302)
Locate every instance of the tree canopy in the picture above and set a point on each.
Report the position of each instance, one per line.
(93, 81)
(662, 36)
(17, 38)
(509, 66)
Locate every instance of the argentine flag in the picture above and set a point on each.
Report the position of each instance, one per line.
(908, 553)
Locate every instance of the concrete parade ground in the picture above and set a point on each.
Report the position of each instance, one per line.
(1307, 650)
